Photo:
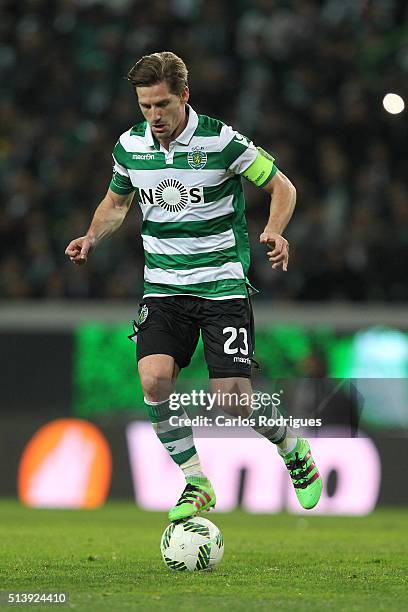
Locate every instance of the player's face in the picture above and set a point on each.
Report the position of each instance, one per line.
(164, 111)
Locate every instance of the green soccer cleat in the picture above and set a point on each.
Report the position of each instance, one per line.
(196, 497)
(303, 472)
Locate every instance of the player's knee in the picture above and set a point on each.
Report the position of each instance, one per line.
(234, 396)
(237, 408)
(156, 387)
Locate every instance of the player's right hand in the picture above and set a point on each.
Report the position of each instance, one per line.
(79, 249)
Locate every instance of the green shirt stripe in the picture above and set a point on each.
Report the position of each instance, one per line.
(121, 184)
(208, 126)
(187, 262)
(180, 160)
(187, 229)
(232, 151)
(240, 230)
(120, 154)
(220, 288)
(139, 129)
(231, 186)
(214, 161)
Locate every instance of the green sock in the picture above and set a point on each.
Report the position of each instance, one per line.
(176, 438)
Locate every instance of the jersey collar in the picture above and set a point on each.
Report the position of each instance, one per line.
(183, 138)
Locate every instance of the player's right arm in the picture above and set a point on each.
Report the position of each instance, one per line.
(107, 219)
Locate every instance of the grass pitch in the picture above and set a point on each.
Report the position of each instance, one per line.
(109, 560)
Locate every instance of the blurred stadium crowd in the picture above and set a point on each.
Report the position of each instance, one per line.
(304, 79)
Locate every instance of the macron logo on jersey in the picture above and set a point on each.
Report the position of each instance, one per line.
(146, 156)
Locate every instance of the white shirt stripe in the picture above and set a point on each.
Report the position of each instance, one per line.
(133, 143)
(194, 212)
(243, 162)
(117, 167)
(221, 297)
(189, 246)
(230, 270)
(149, 179)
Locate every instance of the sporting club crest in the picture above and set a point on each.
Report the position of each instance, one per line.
(197, 158)
(144, 311)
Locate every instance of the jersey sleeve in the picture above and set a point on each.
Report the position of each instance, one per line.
(237, 152)
(120, 183)
(242, 157)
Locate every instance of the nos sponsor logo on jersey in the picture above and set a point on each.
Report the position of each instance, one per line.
(171, 195)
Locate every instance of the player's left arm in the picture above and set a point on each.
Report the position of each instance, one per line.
(263, 173)
(283, 201)
(241, 157)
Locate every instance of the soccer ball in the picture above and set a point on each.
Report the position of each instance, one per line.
(194, 544)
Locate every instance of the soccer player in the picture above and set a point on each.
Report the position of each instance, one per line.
(186, 172)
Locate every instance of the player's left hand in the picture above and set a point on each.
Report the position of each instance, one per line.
(279, 253)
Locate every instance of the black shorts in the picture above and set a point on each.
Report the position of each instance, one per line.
(172, 326)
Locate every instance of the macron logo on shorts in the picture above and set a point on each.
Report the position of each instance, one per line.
(242, 360)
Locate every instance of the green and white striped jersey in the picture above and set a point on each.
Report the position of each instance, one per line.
(194, 230)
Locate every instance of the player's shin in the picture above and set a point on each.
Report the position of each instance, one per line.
(294, 451)
(270, 423)
(177, 438)
(173, 431)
